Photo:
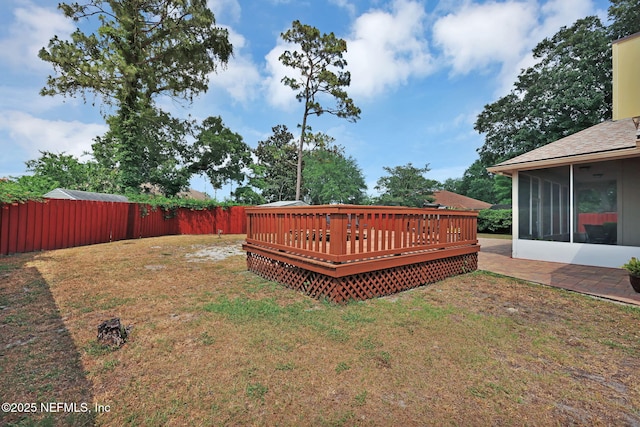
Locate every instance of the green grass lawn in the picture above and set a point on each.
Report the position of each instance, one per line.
(212, 344)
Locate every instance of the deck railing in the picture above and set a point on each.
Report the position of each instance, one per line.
(344, 233)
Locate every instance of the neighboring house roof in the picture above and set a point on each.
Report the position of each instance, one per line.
(283, 203)
(63, 193)
(458, 201)
(193, 194)
(190, 193)
(605, 141)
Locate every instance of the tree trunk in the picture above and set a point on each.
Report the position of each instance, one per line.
(112, 333)
(300, 148)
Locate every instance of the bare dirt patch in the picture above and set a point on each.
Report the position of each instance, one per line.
(213, 344)
(214, 252)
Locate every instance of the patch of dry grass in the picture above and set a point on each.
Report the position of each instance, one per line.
(212, 344)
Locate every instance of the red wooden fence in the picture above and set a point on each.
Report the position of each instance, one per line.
(595, 219)
(57, 224)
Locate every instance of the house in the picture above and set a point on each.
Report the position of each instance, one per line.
(189, 193)
(63, 193)
(576, 200)
(458, 201)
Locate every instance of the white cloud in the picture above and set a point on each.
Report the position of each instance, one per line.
(225, 9)
(345, 4)
(559, 13)
(385, 49)
(553, 15)
(32, 134)
(463, 120)
(31, 30)
(240, 78)
(26, 98)
(278, 94)
(478, 35)
(442, 174)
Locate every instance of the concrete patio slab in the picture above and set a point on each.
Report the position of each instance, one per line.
(608, 283)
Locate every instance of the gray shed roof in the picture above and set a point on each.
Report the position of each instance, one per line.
(283, 203)
(63, 193)
(608, 139)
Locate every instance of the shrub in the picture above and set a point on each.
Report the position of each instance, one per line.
(25, 188)
(172, 203)
(633, 267)
(494, 221)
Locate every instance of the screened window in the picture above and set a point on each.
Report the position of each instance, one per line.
(543, 204)
(596, 203)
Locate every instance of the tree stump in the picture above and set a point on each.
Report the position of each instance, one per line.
(112, 333)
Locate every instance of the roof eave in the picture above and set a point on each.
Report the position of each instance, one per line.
(622, 153)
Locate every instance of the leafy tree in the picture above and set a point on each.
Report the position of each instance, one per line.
(405, 186)
(66, 171)
(246, 195)
(219, 153)
(53, 170)
(331, 177)
(27, 187)
(625, 17)
(141, 49)
(477, 183)
(163, 152)
(568, 90)
(61, 170)
(501, 190)
(274, 170)
(317, 56)
(452, 184)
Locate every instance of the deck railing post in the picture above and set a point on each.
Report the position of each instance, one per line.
(473, 226)
(397, 230)
(338, 233)
(279, 228)
(443, 233)
(249, 226)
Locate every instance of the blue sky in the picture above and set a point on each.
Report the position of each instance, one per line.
(421, 73)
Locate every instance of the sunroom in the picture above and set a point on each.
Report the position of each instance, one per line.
(577, 200)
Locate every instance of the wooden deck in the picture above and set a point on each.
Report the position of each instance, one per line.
(345, 252)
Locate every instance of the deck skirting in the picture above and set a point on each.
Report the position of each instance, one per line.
(374, 282)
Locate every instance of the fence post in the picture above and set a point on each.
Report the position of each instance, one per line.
(4, 228)
(132, 219)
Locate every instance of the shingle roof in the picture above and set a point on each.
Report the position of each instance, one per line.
(63, 193)
(189, 193)
(605, 137)
(458, 201)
